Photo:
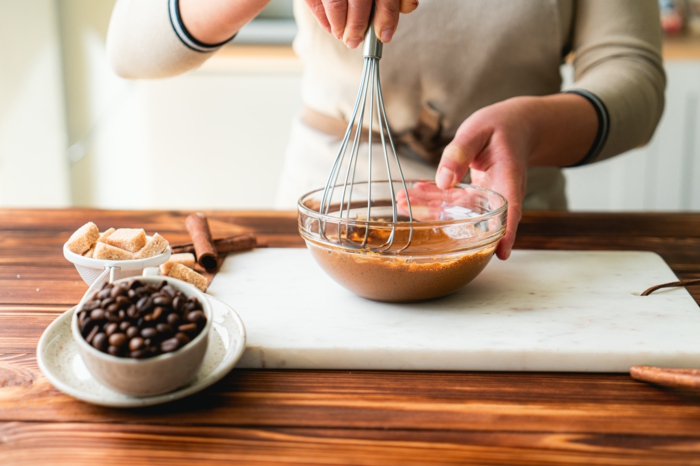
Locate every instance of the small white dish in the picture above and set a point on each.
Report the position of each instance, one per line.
(90, 269)
(60, 361)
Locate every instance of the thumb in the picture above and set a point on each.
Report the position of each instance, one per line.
(459, 154)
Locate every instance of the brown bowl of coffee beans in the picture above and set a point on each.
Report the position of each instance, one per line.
(143, 336)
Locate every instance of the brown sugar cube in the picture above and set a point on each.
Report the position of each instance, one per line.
(181, 272)
(156, 245)
(105, 251)
(184, 258)
(89, 252)
(129, 239)
(104, 235)
(83, 239)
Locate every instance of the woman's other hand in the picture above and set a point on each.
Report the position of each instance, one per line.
(500, 141)
(348, 20)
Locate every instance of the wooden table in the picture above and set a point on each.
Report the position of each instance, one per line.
(336, 417)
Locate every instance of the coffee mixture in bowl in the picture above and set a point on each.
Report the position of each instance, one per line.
(452, 239)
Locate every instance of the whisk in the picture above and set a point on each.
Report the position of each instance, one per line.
(370, 91)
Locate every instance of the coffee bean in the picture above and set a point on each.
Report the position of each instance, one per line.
(132, 294)
(103, 294)
(149, 332)
(164, 329)
(187, 307)
(90, 305)
(157, 312)
(169, 290)
(195, 316)
(113, 308)
(86, 326)
(116, 291)
(144, 304)
(121, 314)
(184, 339)
(187, 328)
(113, 350)
(104, 304)
(112, 316)
(81, 318)
(117, 339)
(134, 284)
(100, 341)
(136, 344)
(151, 288)
(170, 345)
(92, 333)
(132, 312)
(177, 303)
(124, 325)
(97, 315)
(132, 331)
(123, 302)
(162, 300)
(138, 354)
(111, 328)
(173, 319)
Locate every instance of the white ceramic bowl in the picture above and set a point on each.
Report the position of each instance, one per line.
(90, 269)
(149, 376)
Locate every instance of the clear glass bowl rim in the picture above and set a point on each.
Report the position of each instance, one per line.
(479, 218)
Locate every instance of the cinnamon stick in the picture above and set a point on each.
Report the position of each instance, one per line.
(204, 249)
(242, 242)
(682, 378)
(649, 291)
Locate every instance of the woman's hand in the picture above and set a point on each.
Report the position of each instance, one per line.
(500, 141)
(347, 20)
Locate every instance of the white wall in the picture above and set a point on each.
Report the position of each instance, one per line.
(33, 164)
(203, 140)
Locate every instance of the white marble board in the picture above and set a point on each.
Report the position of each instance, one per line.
(538, 311)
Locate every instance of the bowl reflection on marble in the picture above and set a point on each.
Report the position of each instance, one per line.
(452, 238)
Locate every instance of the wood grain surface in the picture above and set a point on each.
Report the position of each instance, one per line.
(336, 417)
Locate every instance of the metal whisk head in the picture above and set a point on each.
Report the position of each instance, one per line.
(342, 175)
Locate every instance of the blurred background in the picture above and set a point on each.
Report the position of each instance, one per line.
(72, 133)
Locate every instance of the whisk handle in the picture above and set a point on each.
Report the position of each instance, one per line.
(373, 46)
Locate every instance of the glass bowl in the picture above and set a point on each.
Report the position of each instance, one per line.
(386, 257)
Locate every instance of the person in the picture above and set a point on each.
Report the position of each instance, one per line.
(469, 85)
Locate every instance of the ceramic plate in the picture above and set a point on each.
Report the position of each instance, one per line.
(61, 364)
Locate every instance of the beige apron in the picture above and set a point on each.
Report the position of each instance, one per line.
(438, 70)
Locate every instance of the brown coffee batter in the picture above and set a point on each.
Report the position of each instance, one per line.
(401, 278)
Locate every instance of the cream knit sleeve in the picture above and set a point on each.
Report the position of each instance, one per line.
(146, 39)
(617, 58)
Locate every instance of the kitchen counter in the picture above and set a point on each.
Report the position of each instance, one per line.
(336, 417)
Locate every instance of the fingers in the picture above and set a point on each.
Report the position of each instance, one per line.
(336, 13)
(408, 6)
(357, 19)
(507, 179)
(348, 19)
(469, 141)
(319, 12)
(515, 213)
(386, 19)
